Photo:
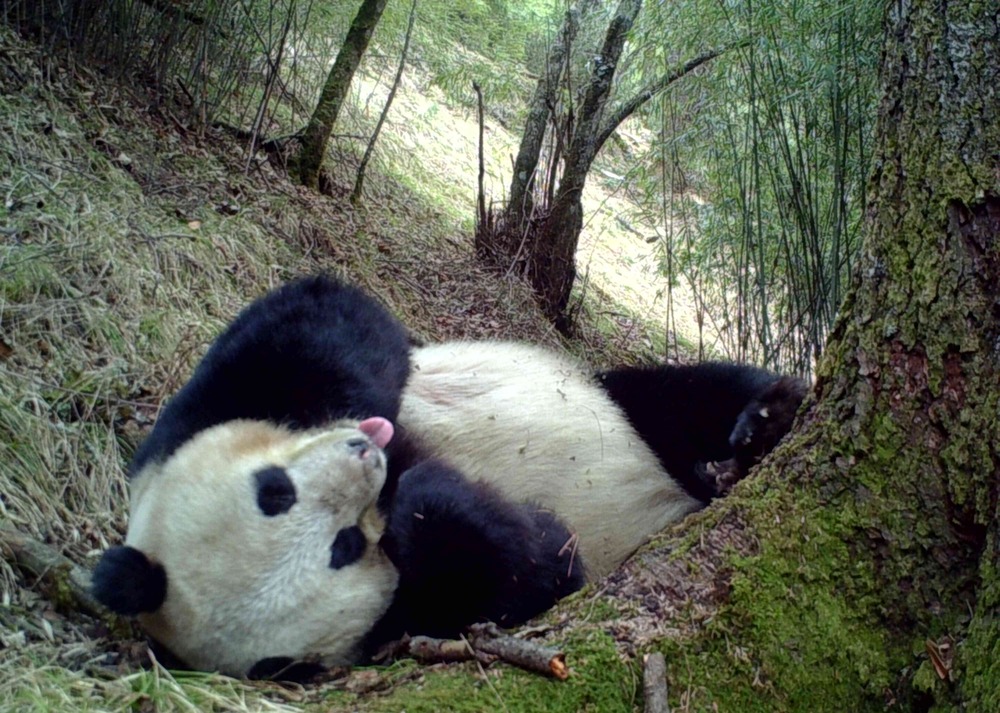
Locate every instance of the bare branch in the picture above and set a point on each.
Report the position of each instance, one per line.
(653, 88)
(484, 643)
(519, 652)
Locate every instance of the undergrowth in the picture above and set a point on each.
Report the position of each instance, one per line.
(129, 238)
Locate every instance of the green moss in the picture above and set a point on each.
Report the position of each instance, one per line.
(599, 681)
(979, 662)
(796, 622)
(804, 631)
(592, 606)
(832, 612)
(58, 589)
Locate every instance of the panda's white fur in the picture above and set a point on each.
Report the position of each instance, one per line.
(535, 425)
(196, 516)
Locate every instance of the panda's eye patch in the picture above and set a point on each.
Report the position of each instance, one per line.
(275, 491)
(347, 547)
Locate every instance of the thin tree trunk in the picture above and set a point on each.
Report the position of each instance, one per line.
(273, 78)
(338, 83)
(519, 202)
(553, 266)
(360, 180)
(481, 216)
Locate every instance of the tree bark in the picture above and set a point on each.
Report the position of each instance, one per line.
(338, 83)
(519, 202)
(867, 571)
(858, 568)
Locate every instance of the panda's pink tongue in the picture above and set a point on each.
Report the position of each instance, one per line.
(378, 429)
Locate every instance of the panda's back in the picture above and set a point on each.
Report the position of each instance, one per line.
(535, 425)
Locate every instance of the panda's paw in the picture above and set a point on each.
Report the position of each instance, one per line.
(721, 476)
(465, 553)
(557, 553)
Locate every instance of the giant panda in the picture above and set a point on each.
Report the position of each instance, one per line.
(319, 487)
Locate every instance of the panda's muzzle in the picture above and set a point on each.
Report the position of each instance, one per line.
(361, 446)
(344, 458)
(371, 456)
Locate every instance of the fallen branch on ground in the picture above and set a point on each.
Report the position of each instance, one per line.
(486, 644)
(65, 583)
(654, 683)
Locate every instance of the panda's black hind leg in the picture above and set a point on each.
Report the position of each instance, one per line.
(764, 422)
(465, 554)
(707, 423)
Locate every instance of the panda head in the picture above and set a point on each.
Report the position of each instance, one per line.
(254, 543)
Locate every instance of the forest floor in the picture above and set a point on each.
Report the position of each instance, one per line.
(130, 237)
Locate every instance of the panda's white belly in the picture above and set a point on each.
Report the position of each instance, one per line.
(534, 424)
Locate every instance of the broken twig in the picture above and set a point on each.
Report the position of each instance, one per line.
(654, 683)
(484, 643)
(58, 575)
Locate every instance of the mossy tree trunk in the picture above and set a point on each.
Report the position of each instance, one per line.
(868, 570)
(338, 83)
(858, 568)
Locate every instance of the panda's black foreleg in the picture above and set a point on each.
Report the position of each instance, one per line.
(306, 354)
(466, 554)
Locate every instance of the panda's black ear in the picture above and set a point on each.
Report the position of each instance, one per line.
(127, 582)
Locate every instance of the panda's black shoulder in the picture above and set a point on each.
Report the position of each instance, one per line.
(309, 352)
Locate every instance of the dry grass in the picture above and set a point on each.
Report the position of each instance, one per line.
(128, 240)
